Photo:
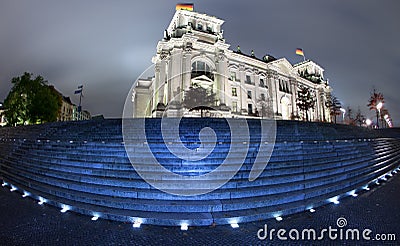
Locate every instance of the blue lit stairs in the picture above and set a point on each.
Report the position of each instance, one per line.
(84, 165)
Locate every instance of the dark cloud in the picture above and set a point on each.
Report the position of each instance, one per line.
(107, 44)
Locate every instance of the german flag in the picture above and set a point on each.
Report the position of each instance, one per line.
(299, 52)
(184, 6)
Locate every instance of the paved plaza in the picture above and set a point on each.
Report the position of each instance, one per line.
(24, 222)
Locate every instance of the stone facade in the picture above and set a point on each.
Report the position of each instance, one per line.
(193, 51)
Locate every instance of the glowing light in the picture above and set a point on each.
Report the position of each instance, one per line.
(41, 201)
(334, 200)
(184, 227)
(94, 218)
(368, 122)
(379, 106)
(137, 224)
(4, 184)
(25, 194)
(234, 225)
(65, 208)
(278, 218)
(354, 195)
(13, 188)
(312, 210)
(366, 188)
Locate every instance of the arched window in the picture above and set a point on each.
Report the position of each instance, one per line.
(200, 68)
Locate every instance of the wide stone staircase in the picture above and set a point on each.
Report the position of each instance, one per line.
(84, 167)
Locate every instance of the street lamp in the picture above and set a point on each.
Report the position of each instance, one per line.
(378, 107)
(368, 122)
(343, 112)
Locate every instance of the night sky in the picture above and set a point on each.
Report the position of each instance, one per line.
(106, 45)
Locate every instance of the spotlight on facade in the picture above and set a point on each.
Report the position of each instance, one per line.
(184, 227)
(65, 208)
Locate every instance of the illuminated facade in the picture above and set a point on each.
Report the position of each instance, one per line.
(194, 51)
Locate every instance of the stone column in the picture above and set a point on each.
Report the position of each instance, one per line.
(163, 77)
(220, 76)
(293, 84)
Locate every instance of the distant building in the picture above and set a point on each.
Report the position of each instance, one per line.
(193, 51)
(3, 121)
(84, 115)
(69, 111)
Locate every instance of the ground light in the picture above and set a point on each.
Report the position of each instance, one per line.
(13, 188)
(4, 184)
(41, 201)
(234, 225)
(25, 194)
(65, 208)
(94, 218)
(184, 227)
(366, 188)
(312, 210)
(138, 223)
(334, 200)
(278, 218)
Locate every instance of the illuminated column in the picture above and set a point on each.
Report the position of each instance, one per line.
(156, 85)
(187, 68)
(221, 79)
(163, 77)
(293, 84)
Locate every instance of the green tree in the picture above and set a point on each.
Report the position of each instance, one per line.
(305, 101)
(199, 98)
(31, 101)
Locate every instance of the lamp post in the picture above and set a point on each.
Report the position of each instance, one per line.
(368, 122)
(343, 113)
(378, 113)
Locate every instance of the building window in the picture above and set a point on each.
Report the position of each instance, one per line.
(284, 86)
(262, 83)
(233, 76)
(249, 95)
(234, 107)
(234, 92)
(262, 96)
(250, 108)
(248, 79)
(200, 26)
(201, 68)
